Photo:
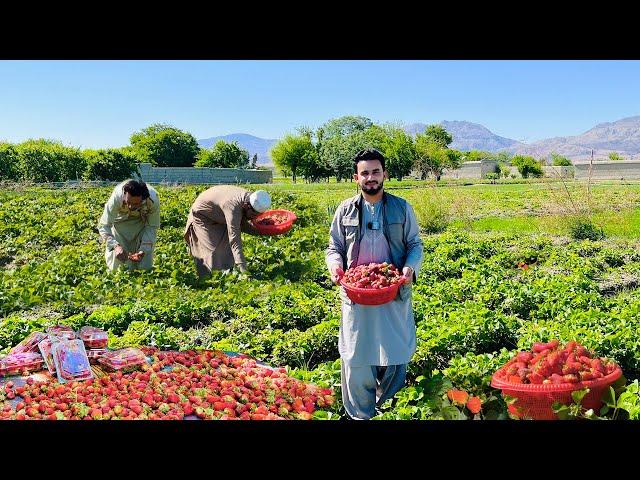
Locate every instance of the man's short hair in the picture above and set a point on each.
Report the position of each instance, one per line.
(136, 188)
(367, 154)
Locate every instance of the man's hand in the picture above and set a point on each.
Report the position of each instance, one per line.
(136, 257)
(336, 273)
(120, 253)
(408, 273)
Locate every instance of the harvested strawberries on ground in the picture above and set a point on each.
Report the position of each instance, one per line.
(372, 275)
(551, 363)
(272, 219)
(207, 384)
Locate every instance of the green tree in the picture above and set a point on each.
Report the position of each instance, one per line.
(223, 155)
(165, 146)
(292, 154)
(345, 126)
(8, 161)
(504, 157)
(438, 134)
(112, 164)
(560, 160)
(476, 155)
(615, 156)
(527, 166)
(399, 151)
(432, 158)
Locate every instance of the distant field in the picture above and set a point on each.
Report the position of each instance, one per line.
(541, 207)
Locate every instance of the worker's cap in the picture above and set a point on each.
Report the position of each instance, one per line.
(260, 201)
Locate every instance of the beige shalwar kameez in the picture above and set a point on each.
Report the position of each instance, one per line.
(213, 229)
(135, 230)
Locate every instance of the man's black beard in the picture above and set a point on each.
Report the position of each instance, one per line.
(372, 190)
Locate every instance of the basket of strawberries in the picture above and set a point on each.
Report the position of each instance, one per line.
(372, 283)
(549, 373)
(274, 222)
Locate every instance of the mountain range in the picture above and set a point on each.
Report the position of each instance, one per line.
(621, 136)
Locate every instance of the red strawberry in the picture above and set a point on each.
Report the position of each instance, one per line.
(474, 404)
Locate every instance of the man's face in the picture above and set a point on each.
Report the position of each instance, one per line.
(133, 203)
(370, 176)
(250, 212)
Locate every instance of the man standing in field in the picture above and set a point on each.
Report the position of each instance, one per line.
(215, 221)
(129, 225)
(375, 342)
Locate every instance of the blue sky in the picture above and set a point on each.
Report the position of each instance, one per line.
(100, 103)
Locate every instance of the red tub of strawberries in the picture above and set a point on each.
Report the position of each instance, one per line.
(372, 283)
(274, 222)
(549, 373)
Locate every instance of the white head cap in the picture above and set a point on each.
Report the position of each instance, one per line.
(260, 201)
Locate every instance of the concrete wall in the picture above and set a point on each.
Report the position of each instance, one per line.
(477, 169)
(205, 175)
(609, 170)
(551, 171)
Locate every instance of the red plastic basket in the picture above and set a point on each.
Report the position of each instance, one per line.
(275, 229)
(534, 400)
(372, 296)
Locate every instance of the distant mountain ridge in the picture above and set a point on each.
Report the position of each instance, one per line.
(621, 136)
(468, 136)
(250, 143)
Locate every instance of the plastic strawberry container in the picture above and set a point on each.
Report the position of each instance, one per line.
(94, 354)
(20, 363)
(372, 296)
(71, 361)
(125, 359)
(30, 343)
(46, 349)
(535, 400)
(62, 331)
(276, 229)
(93, 337)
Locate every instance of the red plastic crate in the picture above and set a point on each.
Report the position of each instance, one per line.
(535, 400)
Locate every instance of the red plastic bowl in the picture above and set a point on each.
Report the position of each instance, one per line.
(275, 229)
(534, 400)
(372, 296)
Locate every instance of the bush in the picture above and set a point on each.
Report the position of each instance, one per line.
(560, 161)
(433, 217)
(49, 161)
(109, 164)
(527, 166)
(584, 229)
(8, 162)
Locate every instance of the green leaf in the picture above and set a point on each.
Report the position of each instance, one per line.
(609, 398)
(578, 395)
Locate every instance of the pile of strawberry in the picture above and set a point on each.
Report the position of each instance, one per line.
(372, 275)
(550, 363)
(208, 384)
(272, 219)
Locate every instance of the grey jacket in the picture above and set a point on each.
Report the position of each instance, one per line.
(400, 229)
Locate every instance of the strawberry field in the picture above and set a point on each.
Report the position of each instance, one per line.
(482, 295)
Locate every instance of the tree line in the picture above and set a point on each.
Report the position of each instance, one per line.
(327, 152)
(314, 155)
(44, 160)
